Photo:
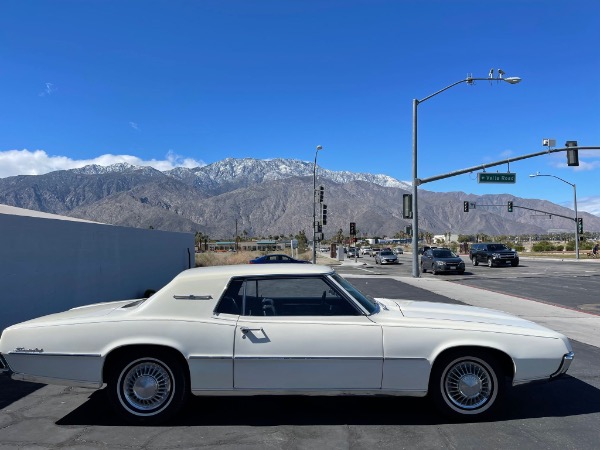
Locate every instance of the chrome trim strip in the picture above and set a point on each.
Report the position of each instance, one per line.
(209, 357)
(359, 358)
(278, 358)
(235, 392)
(192, 297)
(567, 359)
(88, 355)
(58, 381)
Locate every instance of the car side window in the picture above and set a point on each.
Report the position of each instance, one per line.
(231, 301)
(294, 296)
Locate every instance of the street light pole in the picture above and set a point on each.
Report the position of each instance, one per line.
(574, 207)
(416, 181)
(314, 250)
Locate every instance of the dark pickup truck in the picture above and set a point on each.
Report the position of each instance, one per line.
(493, 255)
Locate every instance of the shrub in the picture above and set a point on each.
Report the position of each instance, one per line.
(545, 246)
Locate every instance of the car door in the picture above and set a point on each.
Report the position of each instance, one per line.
(302, 333)
(426, 260)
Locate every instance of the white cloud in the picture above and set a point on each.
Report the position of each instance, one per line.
(48, 90)
(589, 204)
(134, 126)
(38, 162)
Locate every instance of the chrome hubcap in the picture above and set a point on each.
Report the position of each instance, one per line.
(147, 386)
(468, 385)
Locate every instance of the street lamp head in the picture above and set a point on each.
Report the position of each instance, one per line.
(512, 80)
(533, 175)
(319, 147)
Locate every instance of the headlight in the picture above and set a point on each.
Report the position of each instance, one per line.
(496, 255)
(441, 263)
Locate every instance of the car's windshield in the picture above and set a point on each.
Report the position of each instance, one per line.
(497, 247)
(386, 252)
(443, 254)
(366, 303)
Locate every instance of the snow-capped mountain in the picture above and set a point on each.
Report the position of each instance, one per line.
(262, 197)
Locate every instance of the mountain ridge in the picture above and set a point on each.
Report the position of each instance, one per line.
(267, 197)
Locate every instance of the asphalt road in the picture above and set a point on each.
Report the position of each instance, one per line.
(557, 415)
(569, 283)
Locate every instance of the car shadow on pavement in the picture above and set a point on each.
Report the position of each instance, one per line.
(561, 398)
(11, 390)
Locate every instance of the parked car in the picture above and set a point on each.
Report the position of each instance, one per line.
(493, 254)
(386, 257)
(440, 260)
(398, 250)
(365, 251)
(276, 259)
(424, 249)
(282, 329)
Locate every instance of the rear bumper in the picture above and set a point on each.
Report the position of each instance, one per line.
(4, 369)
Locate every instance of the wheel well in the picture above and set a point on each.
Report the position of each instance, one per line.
(505, 361)
(142, 350)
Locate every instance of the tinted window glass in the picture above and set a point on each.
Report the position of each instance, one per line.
(369, 305)
(294, 296)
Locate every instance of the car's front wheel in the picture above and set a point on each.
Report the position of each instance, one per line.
(423, 270)
(148, 388)
(490, 262)
(474, 261)
(469, 383)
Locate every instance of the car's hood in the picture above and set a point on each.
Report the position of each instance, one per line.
(470, 316)
(88, 312)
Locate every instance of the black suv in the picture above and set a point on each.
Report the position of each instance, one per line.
(493, 254)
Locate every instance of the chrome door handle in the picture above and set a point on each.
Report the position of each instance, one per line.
(245, 330)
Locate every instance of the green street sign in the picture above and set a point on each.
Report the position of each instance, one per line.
(491, 177)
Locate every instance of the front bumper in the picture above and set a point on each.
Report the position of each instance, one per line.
(567, 359)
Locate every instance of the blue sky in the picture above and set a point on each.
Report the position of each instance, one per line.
(169, 83)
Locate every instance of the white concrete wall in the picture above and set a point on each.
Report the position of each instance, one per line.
(49, 265)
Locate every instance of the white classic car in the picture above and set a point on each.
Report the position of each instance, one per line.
(281, 329)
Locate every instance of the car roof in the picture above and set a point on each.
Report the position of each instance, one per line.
(241, 270)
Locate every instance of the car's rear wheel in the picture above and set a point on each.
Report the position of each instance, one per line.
(467, 384)
(474, 261)
(147, 388)
(490, 262)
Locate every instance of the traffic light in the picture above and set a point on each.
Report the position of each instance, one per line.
(324, 215)
(321, 193)
(407, 206)
(510, 206)
(572, 155)
(466, 206)
(352, 228)
(580, 225)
